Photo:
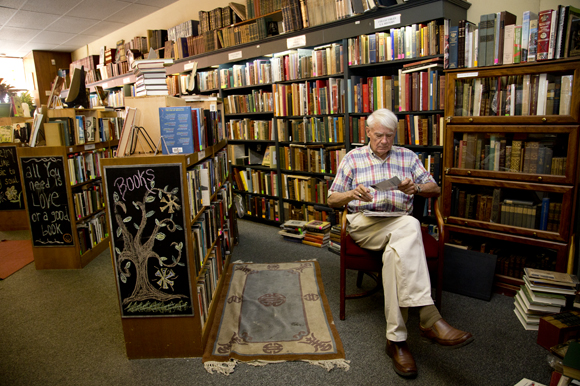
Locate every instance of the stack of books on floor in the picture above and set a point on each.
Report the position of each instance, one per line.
(543, 293)
(150, 77)
(293, 230)
(317, 233)
(334, 243)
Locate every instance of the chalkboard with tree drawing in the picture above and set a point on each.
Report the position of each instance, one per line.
(10, 186)
(44, 182)
(146, 218)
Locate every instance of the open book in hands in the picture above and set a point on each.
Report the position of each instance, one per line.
(370, 213)
(390, 184)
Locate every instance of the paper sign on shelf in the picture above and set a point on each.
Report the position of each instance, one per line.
(188, 66)
(213, 107)
(388, 21)
(467, 75)
(296, 41)
(235, 55)
(90, 146)
(126, 80)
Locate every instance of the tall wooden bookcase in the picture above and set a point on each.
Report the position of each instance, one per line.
(50, 200)
(157, 199)
(521, 158)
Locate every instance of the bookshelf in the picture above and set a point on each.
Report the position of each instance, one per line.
(511, 155)
(64, 202)
(188, 235)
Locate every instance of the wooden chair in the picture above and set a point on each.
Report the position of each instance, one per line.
(370, 262)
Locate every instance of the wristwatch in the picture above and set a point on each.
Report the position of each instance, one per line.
(418, 188)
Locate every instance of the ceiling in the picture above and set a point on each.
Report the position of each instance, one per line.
(65, 25)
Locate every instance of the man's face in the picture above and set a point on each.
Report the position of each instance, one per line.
(381, 139)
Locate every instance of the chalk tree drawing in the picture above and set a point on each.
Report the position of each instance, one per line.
(138, 253)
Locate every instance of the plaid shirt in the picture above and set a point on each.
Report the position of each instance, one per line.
(362, 166)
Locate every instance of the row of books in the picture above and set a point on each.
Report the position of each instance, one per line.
(261, 207)
(221, 17)
(409, 91)
(249, 129)
(499, 38)
(65, 131)
(334, 242)
(544, 215)
(205, 179)
(407, 42)
(256, 72)
(494, 152)
(305, 63)
(257, 8)
(86, 166)
(512, 264)
(106, 71)
(208, 80)
(115, 98)
(315, 233)
(309, 98)
(205, 231)
(327, 129)
(92, 232)
(259, 101)
(535, 94)
(88, 200)
(304, 188)
(311, 158)
(256, 181)
(207, 283)
(188, 129)
(543, 293)
(432, 163)
(305, 212)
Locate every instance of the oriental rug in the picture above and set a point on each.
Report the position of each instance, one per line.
(273, 313)
(14, 255)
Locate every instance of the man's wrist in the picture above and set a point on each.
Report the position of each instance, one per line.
(418, 188)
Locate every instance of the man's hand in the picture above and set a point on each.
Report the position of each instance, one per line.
(407, 186)
(362, 193)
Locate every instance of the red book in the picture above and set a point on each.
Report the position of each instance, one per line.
(408, 130)
(365, 95)
(415, 92)
(361, 130)
(544, 24)
(408, 85)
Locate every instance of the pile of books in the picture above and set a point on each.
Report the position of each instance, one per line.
(543, 293)
(150, 76)
(334, 243)
(293, 230)
(317, 233)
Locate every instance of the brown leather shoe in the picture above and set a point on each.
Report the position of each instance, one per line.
(445, 335)
(403, 362)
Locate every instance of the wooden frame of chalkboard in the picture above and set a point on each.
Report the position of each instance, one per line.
(148, 225)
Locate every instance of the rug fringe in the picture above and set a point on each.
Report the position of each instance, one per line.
(331, 364)
(225, 368)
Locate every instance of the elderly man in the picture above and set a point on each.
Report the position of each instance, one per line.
(405, 275)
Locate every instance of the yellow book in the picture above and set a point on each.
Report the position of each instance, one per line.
(53, 134)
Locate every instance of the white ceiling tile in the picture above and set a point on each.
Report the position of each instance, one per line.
(79, 40)
(50, 37)
(18, 34)
(131, 13)
(6, 14)
(37, 46)
(71, 24)
(54, 7)
(103, 28)
(67, 48)
(9, 45)
(11, 3)
(28, 19)
(98, 9)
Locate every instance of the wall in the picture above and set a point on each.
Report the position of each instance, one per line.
(165, 18)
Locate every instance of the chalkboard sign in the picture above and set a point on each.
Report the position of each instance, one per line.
(145, 204)
(45, 186)
(10, 186)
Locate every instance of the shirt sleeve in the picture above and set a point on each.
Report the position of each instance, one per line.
(343, 179)
(420, 174)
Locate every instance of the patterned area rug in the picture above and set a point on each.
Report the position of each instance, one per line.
(273, 313)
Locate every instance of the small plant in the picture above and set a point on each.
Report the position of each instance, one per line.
(5, 91)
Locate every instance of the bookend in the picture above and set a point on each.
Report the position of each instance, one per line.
(77, 94)
(136, 134)
(161, 140)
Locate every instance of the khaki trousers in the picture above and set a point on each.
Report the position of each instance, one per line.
(406, 280)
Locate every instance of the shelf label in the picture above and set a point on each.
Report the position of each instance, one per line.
(213, 107)
(296, 41)
(388, 21)
(235, 55)
(105, 85)
(90, 146)
(126, 80)
(188, 66)
(468, 74)
(201, 155)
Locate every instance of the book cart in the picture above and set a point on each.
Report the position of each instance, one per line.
(172, 232)
(511, 162)
(65, 213)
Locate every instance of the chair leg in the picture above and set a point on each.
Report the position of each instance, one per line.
(342, 291)
(359, 278)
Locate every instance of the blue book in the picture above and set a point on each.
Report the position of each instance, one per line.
(80, 130)
(372, 48)
(453, 46)
(544, 214)
(176, 129)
